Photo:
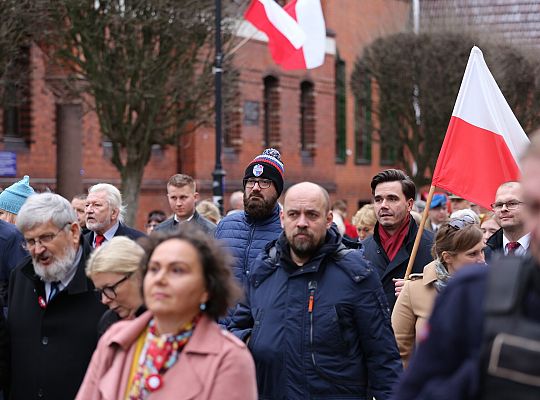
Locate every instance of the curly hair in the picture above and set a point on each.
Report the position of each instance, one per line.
(223, 291)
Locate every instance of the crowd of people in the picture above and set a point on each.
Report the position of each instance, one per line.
(274, 300)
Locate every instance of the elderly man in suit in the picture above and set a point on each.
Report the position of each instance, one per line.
(105, 215)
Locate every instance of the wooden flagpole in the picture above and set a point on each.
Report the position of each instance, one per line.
(420, 232)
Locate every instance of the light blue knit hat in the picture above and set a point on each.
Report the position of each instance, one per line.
(13, 197)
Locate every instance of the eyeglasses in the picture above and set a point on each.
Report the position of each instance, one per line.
(460, 223)
(263, 183)
(110, 291)
(47, 238)
(510, 205)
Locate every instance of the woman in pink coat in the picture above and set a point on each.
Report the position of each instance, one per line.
(175, 350)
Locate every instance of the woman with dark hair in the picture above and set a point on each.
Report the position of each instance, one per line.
(175, 349)
(459, 242)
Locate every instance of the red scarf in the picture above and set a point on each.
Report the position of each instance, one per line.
(392, 243)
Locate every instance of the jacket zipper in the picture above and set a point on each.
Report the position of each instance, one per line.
(312, 286)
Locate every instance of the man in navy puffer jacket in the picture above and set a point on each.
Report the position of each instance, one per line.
(315, 316)
(246, 233)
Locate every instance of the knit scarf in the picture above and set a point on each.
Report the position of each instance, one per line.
(442, 276)
(392, 243)
(160, 352)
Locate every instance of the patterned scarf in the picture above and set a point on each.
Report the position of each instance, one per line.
(160, 352)
(442, 276)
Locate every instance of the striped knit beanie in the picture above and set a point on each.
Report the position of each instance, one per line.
(267, 165)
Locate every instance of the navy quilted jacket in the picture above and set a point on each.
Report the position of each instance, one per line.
(245, 237)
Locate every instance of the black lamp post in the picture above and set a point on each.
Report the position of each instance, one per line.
(219, 173)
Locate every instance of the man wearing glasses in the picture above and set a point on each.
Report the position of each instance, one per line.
(513, 237)
(53, 312)
(247, 232)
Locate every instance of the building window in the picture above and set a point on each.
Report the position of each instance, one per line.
(363, 127)
(271, 129)
(307, 119)
(16, 116)
(341, 111)
(388, 145)
(232, 124)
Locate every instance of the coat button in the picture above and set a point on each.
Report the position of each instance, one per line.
(379, 251)
(40, 392)
(44, 340)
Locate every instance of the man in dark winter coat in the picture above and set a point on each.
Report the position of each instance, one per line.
(483, 338)
(390, 246)
(315, 317)
(53, 311)
(513, 236)
(245, 233)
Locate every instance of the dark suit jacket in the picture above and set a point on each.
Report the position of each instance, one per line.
(51, 346)
(123, 230)
(11, 255)
(170, 224)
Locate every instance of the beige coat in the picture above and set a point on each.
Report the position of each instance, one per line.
(412, 310)
(213, 365)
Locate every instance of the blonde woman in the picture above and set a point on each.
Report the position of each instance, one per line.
(115, 270)
(364, 220)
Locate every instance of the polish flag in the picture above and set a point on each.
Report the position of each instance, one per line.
(484, 139)
(288, 48)
(310, 17)
(285, 36)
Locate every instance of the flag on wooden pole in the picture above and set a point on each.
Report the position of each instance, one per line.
(484, 139)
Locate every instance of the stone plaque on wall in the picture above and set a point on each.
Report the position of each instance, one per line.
(251, 113)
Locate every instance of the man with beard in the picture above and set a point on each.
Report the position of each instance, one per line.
(105, 215)
(183, 196)
(245, 233)
(513, 237)
(315, 315)
(53, 311)
(390, 246)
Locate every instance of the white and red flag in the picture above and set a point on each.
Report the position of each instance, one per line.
(484, 139)
(296, 33)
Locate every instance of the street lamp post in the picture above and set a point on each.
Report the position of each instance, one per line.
(219, 173)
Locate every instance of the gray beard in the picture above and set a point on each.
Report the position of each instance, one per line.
(58, 270)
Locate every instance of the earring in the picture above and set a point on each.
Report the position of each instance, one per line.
(202, 306)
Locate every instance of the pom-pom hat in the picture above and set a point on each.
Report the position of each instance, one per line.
(267, 165)
(13, 197)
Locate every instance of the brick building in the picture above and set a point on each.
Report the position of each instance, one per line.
(308, 115)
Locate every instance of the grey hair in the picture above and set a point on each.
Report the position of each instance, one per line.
(44, 207)
(114, 197)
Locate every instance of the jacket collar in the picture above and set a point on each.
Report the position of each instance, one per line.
(204, 339)
(430, 274)
(495, 242)
(277, 254)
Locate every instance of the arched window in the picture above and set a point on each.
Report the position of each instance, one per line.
(271, 128)
(307, 118)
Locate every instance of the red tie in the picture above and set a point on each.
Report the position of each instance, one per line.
(99, 240)
(512, 247)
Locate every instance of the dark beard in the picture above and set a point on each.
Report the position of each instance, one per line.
(304, 248)
(259, 208)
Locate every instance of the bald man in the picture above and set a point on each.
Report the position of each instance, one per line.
(316, 316)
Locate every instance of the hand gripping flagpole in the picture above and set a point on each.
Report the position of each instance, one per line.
(419, 233)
